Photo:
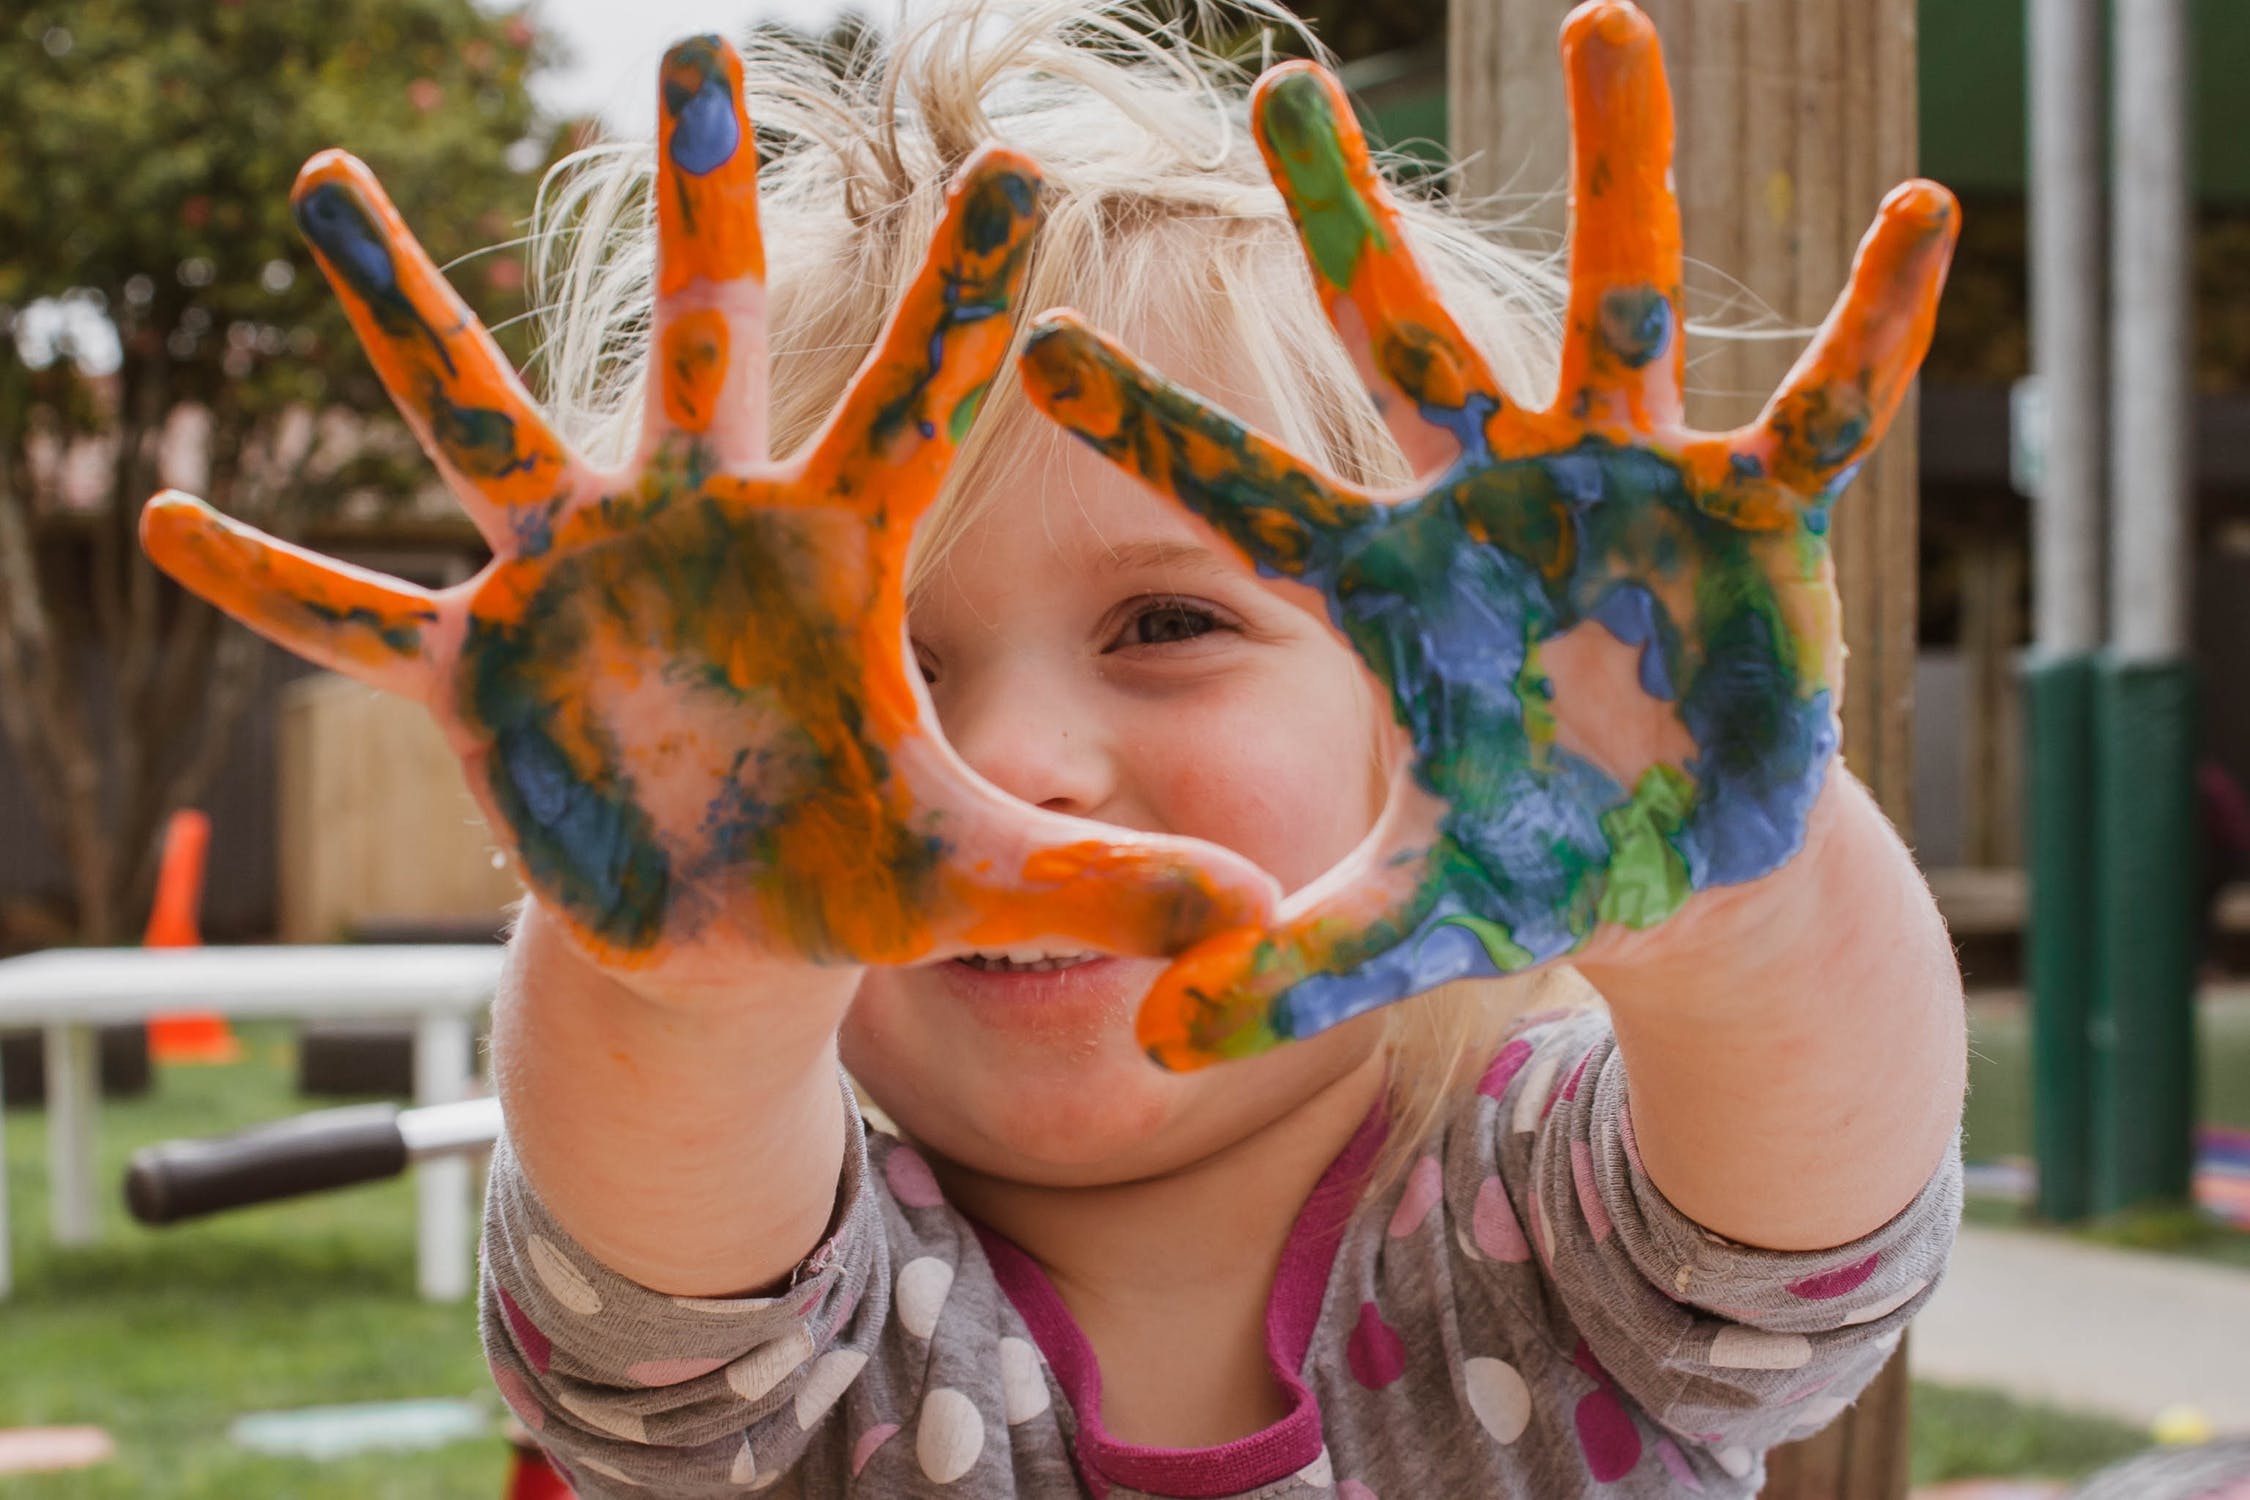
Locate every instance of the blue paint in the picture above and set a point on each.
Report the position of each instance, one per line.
(706, 131)
(1636, 324)
(336, 224)
(1629, 612)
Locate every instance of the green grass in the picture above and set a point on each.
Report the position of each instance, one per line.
(164, 1336)
(1961, 1432)
(1998, 1121)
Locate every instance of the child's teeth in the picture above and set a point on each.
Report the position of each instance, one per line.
(1002, 963)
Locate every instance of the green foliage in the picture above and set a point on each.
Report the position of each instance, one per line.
(147, 153)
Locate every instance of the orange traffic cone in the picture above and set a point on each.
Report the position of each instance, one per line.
(196, 1036)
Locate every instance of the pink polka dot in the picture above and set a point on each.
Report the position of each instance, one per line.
(1675, 1463)
(1504, 1069)
(1589, 1196)
(846, 1305)
(519, 1398)
(1375, 1352)
(911, 1180)
(1423, 1187)
(1569, 1090)
(1805, 1392)
(1494, 1227)
(1632, 1142)
(1836, 1283)
(654, 1372)
(534, 1344)
(1352, 1489)
(873, 1438)
(1606, 1435)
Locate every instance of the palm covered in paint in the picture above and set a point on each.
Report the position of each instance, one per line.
(681, 690)
(1613, 642)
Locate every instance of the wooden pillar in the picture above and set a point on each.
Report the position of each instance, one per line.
(1795, 117)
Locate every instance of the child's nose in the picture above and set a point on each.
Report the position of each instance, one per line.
(1035, 744)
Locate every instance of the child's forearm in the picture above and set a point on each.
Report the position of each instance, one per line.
(1796, 1053)
(691, 1145)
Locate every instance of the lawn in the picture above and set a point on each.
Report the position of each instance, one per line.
(163, 1337)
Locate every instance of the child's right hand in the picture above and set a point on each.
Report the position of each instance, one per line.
(680, 691)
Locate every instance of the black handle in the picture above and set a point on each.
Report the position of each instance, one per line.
(330, 1148)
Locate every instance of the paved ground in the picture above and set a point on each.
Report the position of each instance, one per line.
(2121, 1333)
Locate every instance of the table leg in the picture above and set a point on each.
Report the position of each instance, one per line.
(442, 1075)
(74, 1092)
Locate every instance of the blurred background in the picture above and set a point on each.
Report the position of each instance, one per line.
(161, 323)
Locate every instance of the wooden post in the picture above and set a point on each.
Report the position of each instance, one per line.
(1795, 117)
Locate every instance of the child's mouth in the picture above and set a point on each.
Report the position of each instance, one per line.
(1001, 963)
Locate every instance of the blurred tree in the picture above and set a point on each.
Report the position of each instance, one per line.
(155, 303)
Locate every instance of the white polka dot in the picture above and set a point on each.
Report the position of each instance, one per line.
(563, 1281)
(1023, 1389)
(1544, 1225)
(598, 1467)
(764, 1367)
(1320, 1473)
(829, 1379)
(745, 1467)
(920, 1292)
(1736, 1460)
(1683, 1280)
(949, 1435)
(1739, 1348)
(1468, 1247)
(623, 1424)
(1890, 1304)
(767, 1480)
(1498, 1396)
(1532, 1101)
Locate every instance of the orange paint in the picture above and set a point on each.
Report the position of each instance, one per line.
(694, 367)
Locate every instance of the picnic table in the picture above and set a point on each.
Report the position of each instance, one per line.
(68, 992)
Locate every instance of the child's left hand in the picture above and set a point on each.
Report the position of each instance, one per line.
(1567, 784)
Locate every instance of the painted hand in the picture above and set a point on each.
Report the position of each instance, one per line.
(1613, 642)
(681, 691)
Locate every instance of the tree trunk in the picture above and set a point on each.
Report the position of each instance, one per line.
(1795, 117)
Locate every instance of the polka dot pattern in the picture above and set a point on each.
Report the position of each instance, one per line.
(564, 1282)
(744, 1469)
(603, 1418)
(1320, 1473)
(824, 1385)
(1841, 1282)
(1352, 1489)
(1676, 1464)
(663, 1372)
(1424, 1186)
(910, 1178)
(1531, 1104)
(1494, 1225)
(596, 1466)
(1589, 1196)
(1375, 1352)
(1605, 1429)
(949, 1435)
(754, 1375)
(920, 1293)
(520, 1400)
(1498, 1396)
(870, 1440)
(1885, 1306)
(1504, 1069)
(1023, 1385)
(537, 1350)
(1739, 1348)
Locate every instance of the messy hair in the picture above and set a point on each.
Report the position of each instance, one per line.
(1158, 214)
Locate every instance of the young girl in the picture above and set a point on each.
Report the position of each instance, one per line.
(1618, 1248)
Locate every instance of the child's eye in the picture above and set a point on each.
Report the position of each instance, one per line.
(1164, 622)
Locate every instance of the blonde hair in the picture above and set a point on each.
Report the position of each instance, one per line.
(1158, 215)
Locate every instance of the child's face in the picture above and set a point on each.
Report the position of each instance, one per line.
(1093, 649)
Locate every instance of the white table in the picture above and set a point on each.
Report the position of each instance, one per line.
(68, 992)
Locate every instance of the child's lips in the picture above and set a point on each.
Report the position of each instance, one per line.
(1098, 992)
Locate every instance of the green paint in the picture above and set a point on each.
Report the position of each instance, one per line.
(965, 413)
(1648, 881)
(1508, 956)
(1337, 222)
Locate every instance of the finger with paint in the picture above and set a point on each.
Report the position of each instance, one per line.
(681, 690)
(1612, 643)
